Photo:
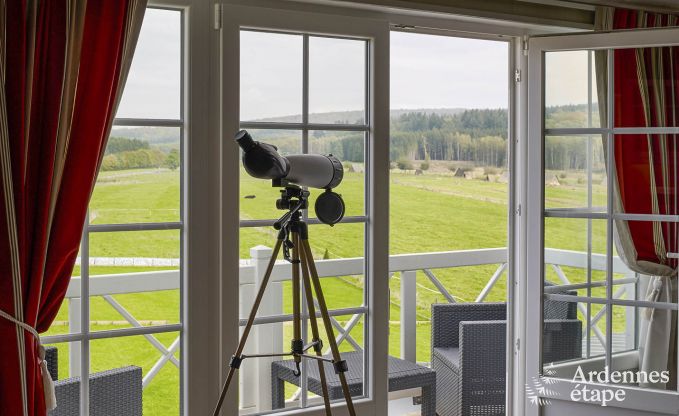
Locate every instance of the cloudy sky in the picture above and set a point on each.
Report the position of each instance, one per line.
(426, 72)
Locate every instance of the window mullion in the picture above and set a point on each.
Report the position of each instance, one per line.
(146, 122)
(609, 210)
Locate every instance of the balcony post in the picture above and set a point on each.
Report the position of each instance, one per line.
(74, 327)
(269, 337)
(409, 315)
(247, 380)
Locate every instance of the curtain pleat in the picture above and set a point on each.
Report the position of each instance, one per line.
(62, 65)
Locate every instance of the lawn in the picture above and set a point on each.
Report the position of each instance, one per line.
(429, 212)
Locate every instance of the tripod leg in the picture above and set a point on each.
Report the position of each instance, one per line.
(235, 361)
(328, 325)
(314, 329)
(297, 344)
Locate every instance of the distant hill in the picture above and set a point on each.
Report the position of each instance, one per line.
(155, 136)
(351, 117)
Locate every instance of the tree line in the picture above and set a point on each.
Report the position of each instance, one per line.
(477, 136)
(125, 153)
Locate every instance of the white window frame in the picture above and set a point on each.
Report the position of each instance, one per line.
(533, 254)
(305, 127)
(376, 31)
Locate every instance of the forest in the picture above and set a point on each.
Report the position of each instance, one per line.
(130, 153)
(473, 136)
(478, 136)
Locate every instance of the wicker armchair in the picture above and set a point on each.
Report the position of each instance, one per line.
(469, 353)
(112, 392)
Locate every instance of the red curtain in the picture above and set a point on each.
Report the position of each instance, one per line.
(61, 69)
(646, 94)
(646, 87)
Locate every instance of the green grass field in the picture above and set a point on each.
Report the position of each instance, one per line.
(428, 213)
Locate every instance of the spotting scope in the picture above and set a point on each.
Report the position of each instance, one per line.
(262, 160)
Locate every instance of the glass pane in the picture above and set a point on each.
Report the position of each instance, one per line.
(251, 237)
(285, 386)
(594, 338)
(575, 173)
(330, 246)
(153, 87)
(625, 329)
(147, 368)
(270, 76)
(565, 339)
(563, 327)
(443, 207)
(427, 73)
(568, 244)
(349, 147)
(649, 246)
(645, 87)
(134, 279)
(337, 75)
(340, 241)
(63, 364)
(644, 352)
(68, 318)
(570, 90)
(257, 196)
(422, 318)
(646, 168)
(139, 179)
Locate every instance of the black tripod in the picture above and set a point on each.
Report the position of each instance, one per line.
(294, 238)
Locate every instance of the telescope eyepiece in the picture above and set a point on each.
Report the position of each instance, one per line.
(244, 140)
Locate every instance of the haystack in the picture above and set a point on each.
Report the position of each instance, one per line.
(552, 181)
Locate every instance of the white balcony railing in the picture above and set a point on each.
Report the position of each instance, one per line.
(267, 335)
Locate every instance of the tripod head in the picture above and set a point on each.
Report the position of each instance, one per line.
(329, 205)
(293, 199)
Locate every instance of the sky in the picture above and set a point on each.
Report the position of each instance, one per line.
(427, 71)
(153, 85)
(566, 78)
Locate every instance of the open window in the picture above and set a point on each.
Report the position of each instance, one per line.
(602, 214)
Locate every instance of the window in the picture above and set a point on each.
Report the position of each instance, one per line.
(303, 93)
(589, 223)
(123, 306)
(449, 173)
(606, 276)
